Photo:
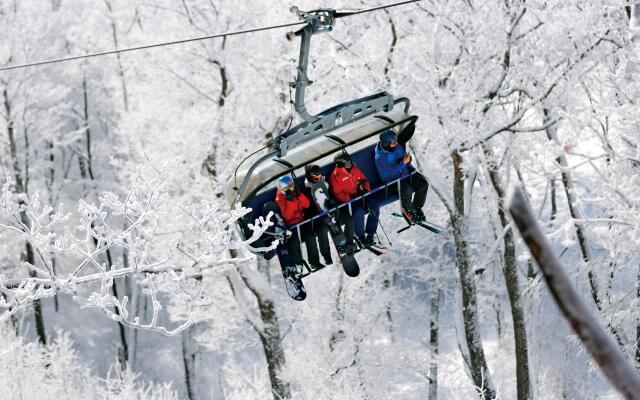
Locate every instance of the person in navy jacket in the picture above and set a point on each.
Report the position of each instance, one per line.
(392, 162)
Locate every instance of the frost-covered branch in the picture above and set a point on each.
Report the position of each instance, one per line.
(166, 245)
(602, 348)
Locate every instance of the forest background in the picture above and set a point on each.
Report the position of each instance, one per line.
(113, 171)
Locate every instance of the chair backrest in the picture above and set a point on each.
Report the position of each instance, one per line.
(363, 158)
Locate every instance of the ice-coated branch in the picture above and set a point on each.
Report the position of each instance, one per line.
(600, 345)
(166, 245)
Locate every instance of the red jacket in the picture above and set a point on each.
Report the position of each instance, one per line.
(344, 184)
(292, 211)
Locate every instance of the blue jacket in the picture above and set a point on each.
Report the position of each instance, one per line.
(389, 163)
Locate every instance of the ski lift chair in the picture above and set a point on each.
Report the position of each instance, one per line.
(352, 126)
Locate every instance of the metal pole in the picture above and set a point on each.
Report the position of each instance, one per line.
(302, 80)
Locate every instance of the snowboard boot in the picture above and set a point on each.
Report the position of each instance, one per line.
(315, 266)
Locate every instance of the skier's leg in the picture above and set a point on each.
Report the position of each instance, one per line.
(349, 227)
(293, 248)
(372, 218)
(358, 220)
(420, 187)
(405, 194)
(322, 232)
(309, 237)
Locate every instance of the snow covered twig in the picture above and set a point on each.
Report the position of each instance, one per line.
(142, 224)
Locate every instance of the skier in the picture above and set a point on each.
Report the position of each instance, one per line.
(313, 173)
(292, 207)
(348, 181)
(392, 163)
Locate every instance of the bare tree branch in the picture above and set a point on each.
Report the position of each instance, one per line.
(601, 346)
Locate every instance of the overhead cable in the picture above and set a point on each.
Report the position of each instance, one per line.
(194, 39)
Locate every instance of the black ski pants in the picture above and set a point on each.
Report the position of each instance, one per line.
(320, 230)
(349, 224)
(417, 186)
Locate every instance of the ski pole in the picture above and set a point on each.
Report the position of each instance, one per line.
(382, 227)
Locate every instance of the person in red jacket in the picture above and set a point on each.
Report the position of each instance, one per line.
(348, 181)
(293, 207)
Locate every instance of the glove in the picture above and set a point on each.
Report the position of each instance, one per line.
(360, 186)
(330, 203)
(289, 194)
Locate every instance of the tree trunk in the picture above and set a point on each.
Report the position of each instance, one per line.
(477, 361)
(271, 339)
(433, 340)
(637, 355)
(123, 355)
(189, 361)
(114, 34)
(567, 181)
(269, 329)
(27, 255)
(510, 271)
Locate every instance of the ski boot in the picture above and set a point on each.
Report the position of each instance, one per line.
(419, 216)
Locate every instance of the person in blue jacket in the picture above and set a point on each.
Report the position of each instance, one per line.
(392, 163)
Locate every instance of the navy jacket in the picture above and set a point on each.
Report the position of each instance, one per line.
(389, 163)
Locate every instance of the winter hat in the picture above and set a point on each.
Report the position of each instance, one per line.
(312, 169)
(387, 137)
(342, 158)
(285, 183)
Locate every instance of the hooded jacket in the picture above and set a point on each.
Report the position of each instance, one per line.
(389, 163)
(292, 211)
(344, 184)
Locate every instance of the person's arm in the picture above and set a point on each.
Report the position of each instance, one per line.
(362, 178)
(304, 201)
(337, 190)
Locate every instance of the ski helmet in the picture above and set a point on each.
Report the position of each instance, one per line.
(343, 160)
(387, 137)
(313, 172)
(285, 183)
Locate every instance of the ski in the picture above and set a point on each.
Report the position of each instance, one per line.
(378, 251)
(320, 193)
(373, 248)
(426, 225)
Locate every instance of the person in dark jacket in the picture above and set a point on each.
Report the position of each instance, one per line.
(293, 207)
(348, 181)
(392, 163)
(313, 179)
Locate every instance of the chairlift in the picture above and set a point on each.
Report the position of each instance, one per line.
(353, 126)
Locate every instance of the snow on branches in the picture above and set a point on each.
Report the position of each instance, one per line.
(163, 245)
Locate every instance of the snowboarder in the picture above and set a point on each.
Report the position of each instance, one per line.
(346, 182)
(292, 207)
(320, 226)
(392, 163)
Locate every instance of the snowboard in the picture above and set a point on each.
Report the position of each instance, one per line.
(319, 192)
(292, 272)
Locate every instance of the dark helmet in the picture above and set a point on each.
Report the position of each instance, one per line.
(387, 137)
(312, 172)
(343, 160)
